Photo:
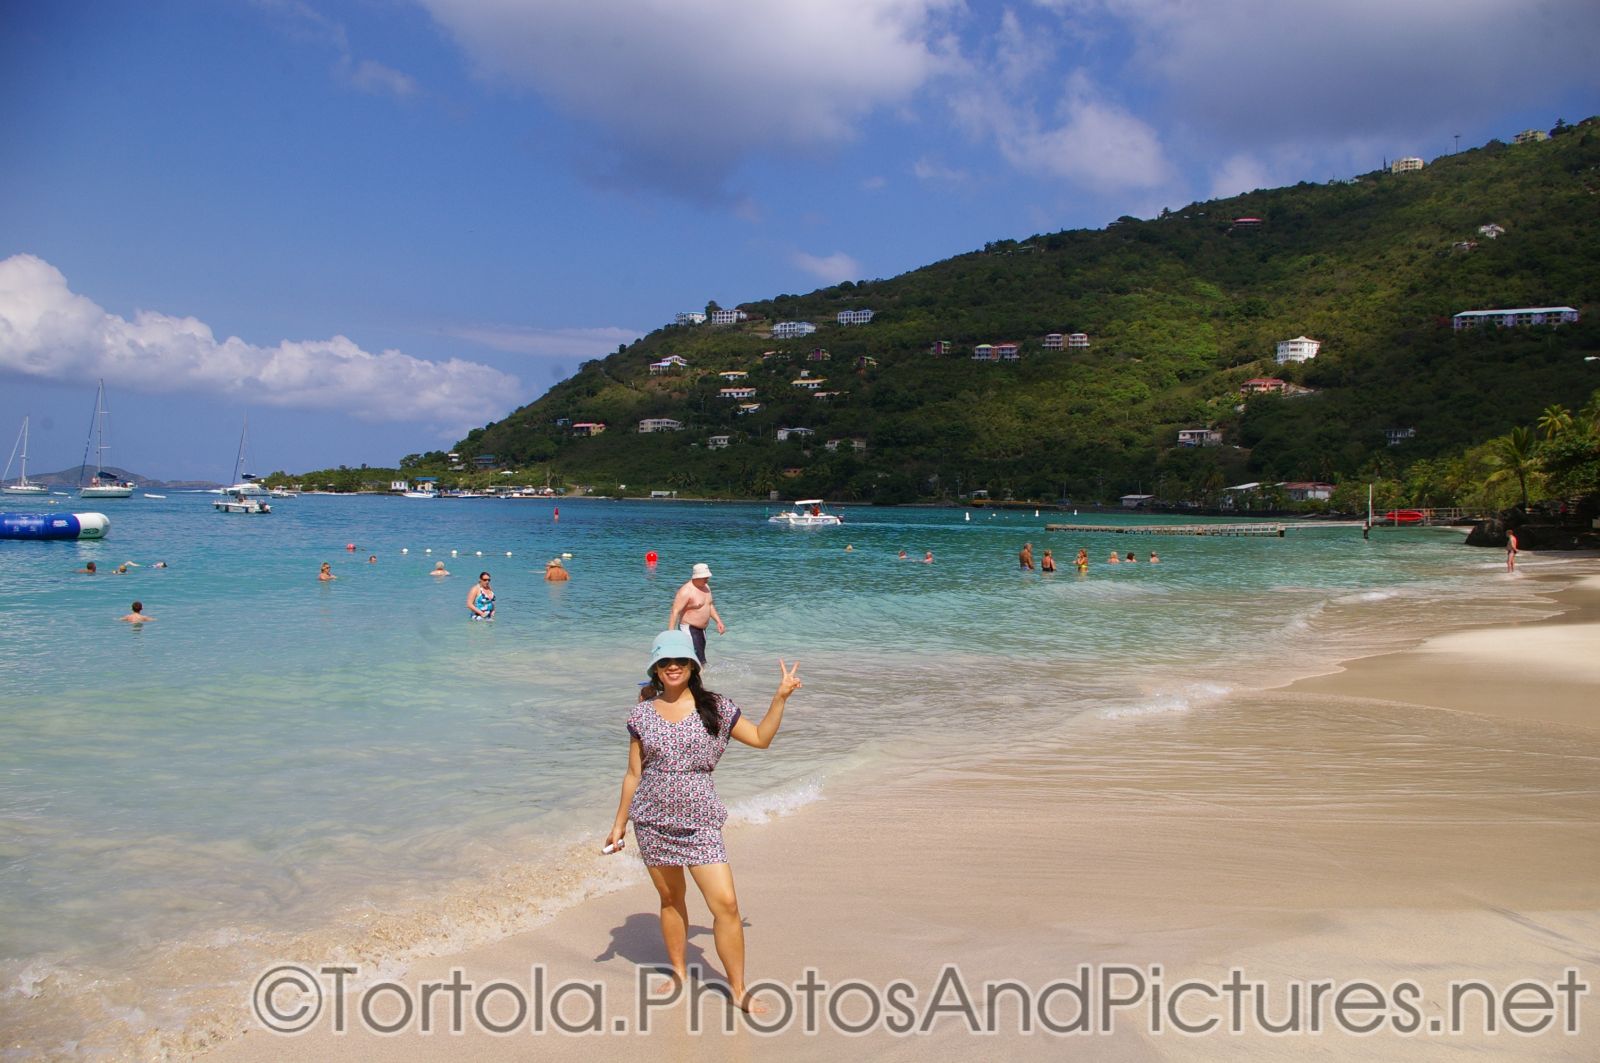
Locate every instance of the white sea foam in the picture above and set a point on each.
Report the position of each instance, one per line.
(1179, 698)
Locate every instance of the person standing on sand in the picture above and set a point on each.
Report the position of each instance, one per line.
(480, 599)
(1025, 557)
(1511, 550)
(677, 732)
(137, 616)
(692, 609)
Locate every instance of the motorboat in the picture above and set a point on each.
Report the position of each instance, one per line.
(21, 485)
(807, 513)
(241, 503)
(103, 484)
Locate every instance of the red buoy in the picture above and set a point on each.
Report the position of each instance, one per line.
(650, 558)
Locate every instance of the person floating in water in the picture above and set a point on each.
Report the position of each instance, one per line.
(439, 569)
(480, 599)
(677, 732)
(88, 568)
(137, 616)
(1047, 563)
(927, 558)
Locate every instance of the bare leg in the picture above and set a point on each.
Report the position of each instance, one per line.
(670, 884)
(727, 927)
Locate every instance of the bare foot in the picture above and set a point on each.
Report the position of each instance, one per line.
(750, 1005)
(671, 985)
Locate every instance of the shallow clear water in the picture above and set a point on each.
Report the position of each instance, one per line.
(275, 760)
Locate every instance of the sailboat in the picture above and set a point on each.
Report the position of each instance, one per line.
(244, 484)
(103, 485)
(22, 485)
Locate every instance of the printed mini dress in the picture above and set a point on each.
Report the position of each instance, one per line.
(677, 816)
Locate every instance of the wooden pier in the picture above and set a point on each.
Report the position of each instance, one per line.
(1202, 529)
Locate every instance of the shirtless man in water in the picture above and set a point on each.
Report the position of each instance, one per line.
(692, 609)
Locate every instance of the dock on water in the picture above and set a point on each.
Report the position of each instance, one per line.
(1202, 529)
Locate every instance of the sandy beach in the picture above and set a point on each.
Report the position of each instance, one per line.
(1367, 836)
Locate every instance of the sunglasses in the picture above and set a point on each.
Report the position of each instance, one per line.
(676, 662)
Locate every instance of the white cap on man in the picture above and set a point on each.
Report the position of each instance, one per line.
(701, 571)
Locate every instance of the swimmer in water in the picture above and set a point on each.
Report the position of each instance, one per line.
(137, 616)
(1047, 563)
(480, 599)
(1130, 559)
(325, 574)
(439, 569)
(1082, 560)
(1113, 559)
(1154, 560)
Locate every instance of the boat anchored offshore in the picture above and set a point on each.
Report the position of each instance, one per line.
(104, 485)
(241, 503)
(53, 525)
(22, 485)
(807, 513)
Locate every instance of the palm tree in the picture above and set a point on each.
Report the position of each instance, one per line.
(1513, 455)
(1555, 422)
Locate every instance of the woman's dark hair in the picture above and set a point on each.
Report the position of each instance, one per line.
(705, 701)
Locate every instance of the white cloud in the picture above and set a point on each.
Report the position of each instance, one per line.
(686, 89)
(1271, 71)
(874, 184)
(830, 269)
(547, 343)
(374, 77)
(1089, 139)
(49, 332)
(926, 169)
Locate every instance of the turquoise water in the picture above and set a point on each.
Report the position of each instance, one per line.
(274, 762)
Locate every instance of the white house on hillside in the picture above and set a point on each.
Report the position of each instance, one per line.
(855, 317)
(790, 329)
(1299, 349)
(660, 424)
(668, 364)
(1519, 318)
(1199, 437)
(1406, 165)
(727, 317)
(794, 433)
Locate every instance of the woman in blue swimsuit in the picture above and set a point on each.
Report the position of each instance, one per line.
(480, 599)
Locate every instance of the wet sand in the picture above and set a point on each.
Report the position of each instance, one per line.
(1427, 815)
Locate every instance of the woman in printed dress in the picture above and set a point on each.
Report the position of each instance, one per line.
(676, 734)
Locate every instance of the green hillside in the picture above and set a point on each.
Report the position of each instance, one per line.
(1179, 310)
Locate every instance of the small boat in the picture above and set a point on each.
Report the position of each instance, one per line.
(147, 494)
(807, 513)
(22, 485)
(53, 525)
(241, 503)
(243, 483)
(103, 484)
(1402, 516)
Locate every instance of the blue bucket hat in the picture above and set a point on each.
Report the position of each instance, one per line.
(671, 644)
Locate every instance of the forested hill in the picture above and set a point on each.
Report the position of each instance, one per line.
(1179, 312)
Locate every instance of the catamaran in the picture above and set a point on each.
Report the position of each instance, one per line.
(104, 485)
(244, 484)
(22, 485)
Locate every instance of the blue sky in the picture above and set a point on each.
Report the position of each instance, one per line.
(375, 224)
